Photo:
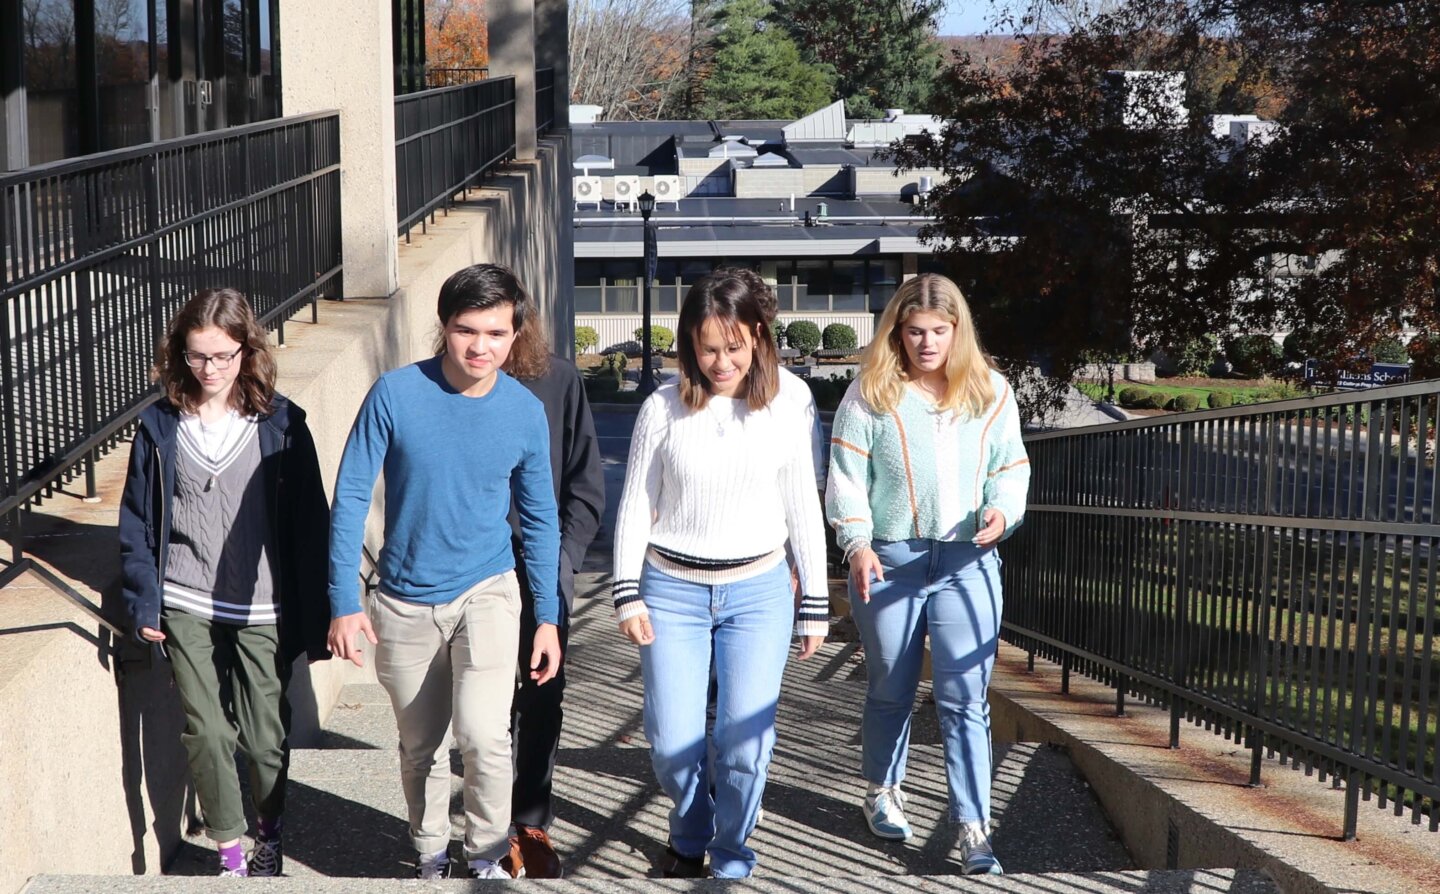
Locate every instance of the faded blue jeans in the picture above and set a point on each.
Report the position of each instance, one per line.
(952, 591)
(745, 627)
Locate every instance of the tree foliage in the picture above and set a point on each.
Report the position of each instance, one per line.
(1081, 231)
(755, 69)
(883, 54)
(457, 34)
(630, 57)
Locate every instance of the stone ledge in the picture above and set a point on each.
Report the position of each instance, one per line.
(1288, 828)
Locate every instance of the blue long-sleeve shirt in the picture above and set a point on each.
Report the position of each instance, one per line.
(450, 464)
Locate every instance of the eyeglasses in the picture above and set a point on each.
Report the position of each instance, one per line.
(196, 360)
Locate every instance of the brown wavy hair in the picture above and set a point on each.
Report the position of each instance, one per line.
(483, 286)
(738, 299)
(228, 311)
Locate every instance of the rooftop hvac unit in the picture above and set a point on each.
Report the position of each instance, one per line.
(627, 190)
(667, 189)
(586, 190)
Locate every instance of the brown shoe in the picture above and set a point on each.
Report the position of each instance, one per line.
(514, 862)
(541, 861)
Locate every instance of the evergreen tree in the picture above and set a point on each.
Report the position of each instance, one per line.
(884, 53)
(755, 69)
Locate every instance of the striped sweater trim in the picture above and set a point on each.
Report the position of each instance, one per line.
(719, 574)
(700, 562)
(1005, 468)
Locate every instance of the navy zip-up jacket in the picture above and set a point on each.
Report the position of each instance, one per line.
(299, 516)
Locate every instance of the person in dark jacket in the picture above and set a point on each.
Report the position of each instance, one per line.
(223, 533)
(580, 496)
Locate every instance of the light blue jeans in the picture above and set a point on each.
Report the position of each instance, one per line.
(745, 627)
(951, 590)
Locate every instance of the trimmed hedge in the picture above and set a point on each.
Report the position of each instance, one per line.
(803, 336)
(1152, 401)
(1184, 403)
(1131, 396)
(586, 338)
(661, 337)
(1219, 400)
(839, 336)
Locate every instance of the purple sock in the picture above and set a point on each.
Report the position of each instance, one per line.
(233, 857)
(270, 829)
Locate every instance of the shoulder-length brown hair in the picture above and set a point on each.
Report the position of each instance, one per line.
(228, 311)
(737, 299)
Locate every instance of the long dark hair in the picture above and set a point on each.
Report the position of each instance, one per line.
(738, 300)
(228, 311)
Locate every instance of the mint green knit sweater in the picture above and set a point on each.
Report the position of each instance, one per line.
(919, 472)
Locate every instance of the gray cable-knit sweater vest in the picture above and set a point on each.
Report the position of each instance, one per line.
(218, 565)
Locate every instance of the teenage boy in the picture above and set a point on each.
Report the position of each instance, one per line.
(580, 496)
(457, 439)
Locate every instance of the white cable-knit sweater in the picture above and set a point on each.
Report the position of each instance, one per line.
(723, 485)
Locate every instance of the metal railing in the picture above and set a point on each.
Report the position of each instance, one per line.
(451, 77)
(544, 99)
(99, 251)
(446, 140)
(1267, 571)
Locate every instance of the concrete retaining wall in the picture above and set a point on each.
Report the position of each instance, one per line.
(92, 776)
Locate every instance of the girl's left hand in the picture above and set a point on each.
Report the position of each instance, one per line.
(809, 645)
(994, 528)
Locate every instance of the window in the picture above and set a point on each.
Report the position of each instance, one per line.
(668, 291)
(812, 285)
(622, 287)
(847, 285)
(884, 280)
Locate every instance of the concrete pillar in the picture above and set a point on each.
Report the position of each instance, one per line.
(552, 50)
(512, 53)
(356, 76)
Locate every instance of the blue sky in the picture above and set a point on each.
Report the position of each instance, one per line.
(965, 16)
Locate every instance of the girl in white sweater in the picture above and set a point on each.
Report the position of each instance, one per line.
(720, 477)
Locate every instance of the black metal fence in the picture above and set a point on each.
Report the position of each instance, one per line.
(544, 99)
(446, 140)
(451, 77)
(1268, 572)
(99, 251)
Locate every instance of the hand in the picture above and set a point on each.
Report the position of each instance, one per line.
(809, 645)
(151, 635)
(545, 656)
(341, 641)
(864, 563)
(994, 528)
(638, 630)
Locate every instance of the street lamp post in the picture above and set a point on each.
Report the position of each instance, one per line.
(646, 201)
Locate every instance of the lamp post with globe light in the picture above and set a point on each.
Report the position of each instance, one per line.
(646, 201)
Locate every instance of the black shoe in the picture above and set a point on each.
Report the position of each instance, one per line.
(677, 865)
(267, 860)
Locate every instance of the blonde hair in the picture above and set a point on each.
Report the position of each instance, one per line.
(883, 372)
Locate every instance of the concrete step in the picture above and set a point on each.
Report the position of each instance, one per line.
(1191, 881)
(346, 813)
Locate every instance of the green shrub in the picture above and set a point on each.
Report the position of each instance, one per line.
(1152, 401)
(1300, 345)
(1218, 400)
(1184, 403)
(1131, 396)
(1194, 357)
(777, 329)
(661, 337)
(803, 336)
(1389, 350)
(615, 363)
(586, 338)
(1424, 351)
(839, 336)
(1254, 355)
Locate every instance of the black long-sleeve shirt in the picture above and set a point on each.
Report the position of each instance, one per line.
(574, 467)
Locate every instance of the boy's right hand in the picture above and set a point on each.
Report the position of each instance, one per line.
(342, 637)
(151, 635)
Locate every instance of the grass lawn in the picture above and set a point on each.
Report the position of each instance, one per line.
(1241, 391)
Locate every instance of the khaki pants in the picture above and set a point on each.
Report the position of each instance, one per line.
(453, 660)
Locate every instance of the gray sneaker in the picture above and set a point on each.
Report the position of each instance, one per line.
(267, 860)
(885, 813)
(979, 857)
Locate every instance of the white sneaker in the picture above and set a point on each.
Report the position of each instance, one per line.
(885, 813)
(979, 858)
(429, 867)
(487, 869)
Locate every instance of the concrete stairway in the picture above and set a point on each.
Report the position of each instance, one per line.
(345, 819)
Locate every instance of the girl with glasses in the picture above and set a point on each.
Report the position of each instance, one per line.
(223, 532)
(927, 473)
